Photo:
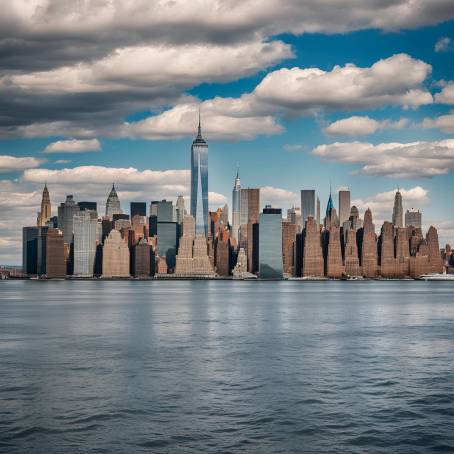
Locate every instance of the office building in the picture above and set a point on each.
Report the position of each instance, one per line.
(398, 211)
(113, 203)
(344, 205)
(88, 206)
(167, 243)
(55, 265)
(180, 209)
(30, 250)
(313, 263)
(115, 256)
(307, 204)
(66, 212)
(335, 266)
(142, 259)
(289, 231)
(138, 208)
(236, 201)
(199, 183)
(46, 209)
(369, 247)
(413, 218)
(270, 244)
(85, 235)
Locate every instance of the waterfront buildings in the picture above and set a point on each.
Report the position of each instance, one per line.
(199, 182)
(113, 203)
(307, 204)
(398, 211)
(413, 218)
(270, 244)
(85, 235)
(46, 210)
(138, 209)
(115, 256)
(313, 263)
(236, 207)
(66, 212)
(344, 205)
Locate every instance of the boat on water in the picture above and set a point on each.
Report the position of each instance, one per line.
(437, 277)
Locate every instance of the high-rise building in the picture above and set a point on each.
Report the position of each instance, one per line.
(249, 205)
(142, 259)
(66, 212)
(113, 203)
(270, 244)
(236, 207)
(398, 211)
(139, 226)
(289, 231)
(318, 214)
(85, 235)
(199, 183)
(167, 243)
(352, 267)
(369, 247)
(180, 209)
(413, 218)
(30, 250)
(55, 254)
(46, 209)
(91, 206)
(307, 204)
(115, 256)
(313, 264)
(294, 217)
(387, 258)
(435, 260)
(138, 208)
(164, 211)
(344, 205)
(335, 267)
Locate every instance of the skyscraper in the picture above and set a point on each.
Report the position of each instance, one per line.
(398, 211)
(115, 256)
(344, 205)
(30, 250)
(199, 183)
(113, 203)
(66, 212)
(46, 210)
(236, 206)
(270, 244)
(413, 218)
(85, 234)
(318, 213)
(139, 208)
(307, 204)
(180, 209)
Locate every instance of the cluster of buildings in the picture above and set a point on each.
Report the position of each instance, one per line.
(163, 239)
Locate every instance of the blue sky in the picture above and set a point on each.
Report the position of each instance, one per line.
(126, 110)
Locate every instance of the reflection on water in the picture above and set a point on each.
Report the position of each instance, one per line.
(224, 366)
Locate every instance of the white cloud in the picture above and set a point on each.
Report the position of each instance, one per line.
(220, 120)
(444, 123)
(277, 197)
(442, 44)
(73, 146)
(362, 126)
(63, 161)
(392, 81)
(12, 163)
(151, 68)
(399, 160)
(446, 96)
(55, 128)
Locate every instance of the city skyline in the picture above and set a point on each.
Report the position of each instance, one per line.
(293, 98)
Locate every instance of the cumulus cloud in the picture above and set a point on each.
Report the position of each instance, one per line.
(278, 197)
(442, 44)
(398, 160)
(446, 96)
(12, 163)
(73, 146)
(395, 80)
(219, 121)
(362, 126)
(444, 123)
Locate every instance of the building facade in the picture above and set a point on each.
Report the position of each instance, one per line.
(307, 204)
(66, 212)
(85, 236)
(270, 244)
(199, 183)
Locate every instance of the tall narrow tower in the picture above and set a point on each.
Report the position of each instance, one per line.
(236, 206)
(45, 213)
(398, 211)
(199, 183)
(113, 203)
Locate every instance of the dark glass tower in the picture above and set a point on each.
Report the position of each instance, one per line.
(199, 183)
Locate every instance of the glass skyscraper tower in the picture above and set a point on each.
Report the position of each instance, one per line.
(199, 183)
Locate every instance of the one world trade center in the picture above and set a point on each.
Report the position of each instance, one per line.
(199, 183)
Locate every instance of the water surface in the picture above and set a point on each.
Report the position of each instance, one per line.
(219, 366)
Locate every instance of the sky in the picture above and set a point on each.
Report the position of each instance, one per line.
(297, 94)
